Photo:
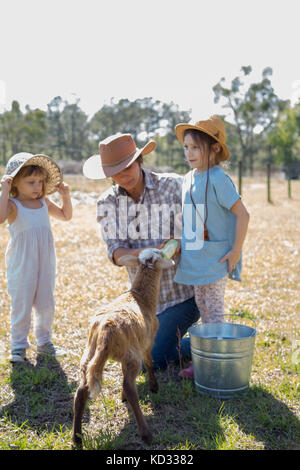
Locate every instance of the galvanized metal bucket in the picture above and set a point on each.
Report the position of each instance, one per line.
(222, 357)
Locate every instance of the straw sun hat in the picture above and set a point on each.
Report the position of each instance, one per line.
(116, 153)
(214, 126)
(19, 160)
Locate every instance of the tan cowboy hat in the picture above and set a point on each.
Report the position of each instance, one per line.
(214, 126)
(116, 153)
(17, 161)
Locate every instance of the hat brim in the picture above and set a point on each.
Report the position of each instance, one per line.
(181, 128)
(55, 177)
(93, 168)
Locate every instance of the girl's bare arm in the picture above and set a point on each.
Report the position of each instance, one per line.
(242, 220)
(6, 207)
(64, 212)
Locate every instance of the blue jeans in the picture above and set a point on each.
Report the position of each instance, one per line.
(179, 317)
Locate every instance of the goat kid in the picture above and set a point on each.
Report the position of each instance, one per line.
(124, 331)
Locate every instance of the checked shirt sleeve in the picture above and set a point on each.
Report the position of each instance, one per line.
(108, 218)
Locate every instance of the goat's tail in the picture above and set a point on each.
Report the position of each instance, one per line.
(95, 367)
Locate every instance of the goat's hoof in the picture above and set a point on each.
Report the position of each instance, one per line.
(147, 437)
(154, 388)
(76, 443)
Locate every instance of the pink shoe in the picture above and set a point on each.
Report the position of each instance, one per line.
(188, 372)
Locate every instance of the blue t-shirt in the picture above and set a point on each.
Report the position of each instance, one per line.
(200, 260)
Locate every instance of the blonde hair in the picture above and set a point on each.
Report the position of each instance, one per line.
(29, 170)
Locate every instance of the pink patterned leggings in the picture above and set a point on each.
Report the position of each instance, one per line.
(210, 301)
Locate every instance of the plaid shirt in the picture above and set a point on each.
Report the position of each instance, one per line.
(149, 222)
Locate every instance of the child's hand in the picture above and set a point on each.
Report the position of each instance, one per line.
(232, 257)
(63, 189)
(6, 183)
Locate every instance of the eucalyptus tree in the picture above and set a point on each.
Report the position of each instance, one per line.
(254, 109)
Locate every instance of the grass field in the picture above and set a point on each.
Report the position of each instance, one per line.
(36, 398)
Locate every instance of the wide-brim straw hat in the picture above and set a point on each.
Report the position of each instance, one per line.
(214, 126)
(54, 174)
(116, 153)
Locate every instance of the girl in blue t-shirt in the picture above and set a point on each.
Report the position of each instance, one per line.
(214, 220)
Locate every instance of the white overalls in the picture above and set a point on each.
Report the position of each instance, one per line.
(31, 266)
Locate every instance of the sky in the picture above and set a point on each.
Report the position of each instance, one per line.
(170, 50)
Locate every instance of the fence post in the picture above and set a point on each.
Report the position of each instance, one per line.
(289, 181)
(269, 181)
(240, 176)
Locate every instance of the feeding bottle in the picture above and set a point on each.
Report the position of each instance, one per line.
(169, 249)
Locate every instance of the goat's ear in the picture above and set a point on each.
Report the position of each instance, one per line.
(128, 260)
(165, 263)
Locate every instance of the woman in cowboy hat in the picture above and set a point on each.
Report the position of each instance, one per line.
(30, 255)
(136, 213)
(215, 219)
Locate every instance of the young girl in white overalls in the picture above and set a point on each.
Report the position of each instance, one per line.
(30, 255)
(209, 197)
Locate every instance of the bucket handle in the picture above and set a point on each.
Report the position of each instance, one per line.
(242, 316)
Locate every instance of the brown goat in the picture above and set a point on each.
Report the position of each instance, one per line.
(124, 331)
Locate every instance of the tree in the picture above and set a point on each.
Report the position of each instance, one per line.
(34, 130)
(22, 132)
(64, 131)
(285, 139)
(75, 125)
(170, 115)
(254, 109)
(12, 122)
(123, 116)
(233, 142)
(56, 138)
(143, 118)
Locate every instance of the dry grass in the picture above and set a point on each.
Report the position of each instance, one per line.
(269, 292)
